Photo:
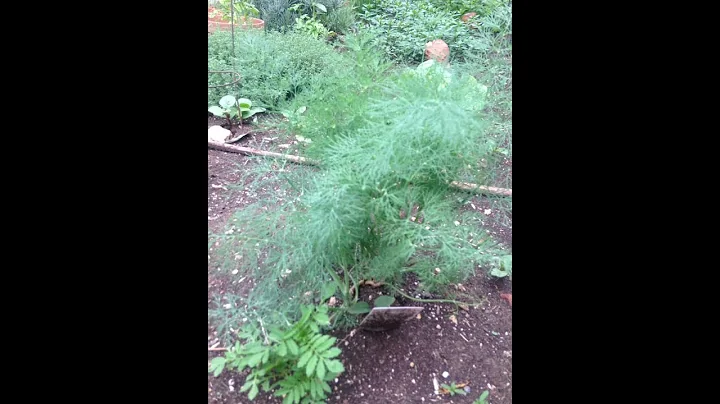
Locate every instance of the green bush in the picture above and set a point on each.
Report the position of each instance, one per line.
(380, 205)
(403, 27)
(274, 67)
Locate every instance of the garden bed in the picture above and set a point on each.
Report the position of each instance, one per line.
(396, 366)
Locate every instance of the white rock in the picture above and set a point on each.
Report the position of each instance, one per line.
(218, 134)
(445, 374)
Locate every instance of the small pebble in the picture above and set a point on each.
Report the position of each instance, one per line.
(445, 374)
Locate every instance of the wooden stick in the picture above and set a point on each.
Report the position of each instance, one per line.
(217, 349)
(254, 152)
(463, 186)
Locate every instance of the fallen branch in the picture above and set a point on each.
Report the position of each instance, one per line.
(463, 186)
(254, 152)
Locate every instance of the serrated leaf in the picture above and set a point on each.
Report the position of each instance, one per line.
(320, 370)
(384, 301)
(359, 308)
(311, 365)
(304, 359)
(227, 101)
(217, 111)
(253, 392)
(331, 353)
(334, 366)
(246, 386)
(320, 341)
(327, 291)
(322, 318)
(217, 365)
(292, 346)
(255, 359)
(282, 349)
(325, 345)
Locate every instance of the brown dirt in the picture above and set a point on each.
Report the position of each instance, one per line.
(396, 366)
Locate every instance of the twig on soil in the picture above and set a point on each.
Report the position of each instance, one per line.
(455, 302)
(217, 349)
(463, 186)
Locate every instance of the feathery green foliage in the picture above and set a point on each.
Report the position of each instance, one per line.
(381, 205)
(274, 67)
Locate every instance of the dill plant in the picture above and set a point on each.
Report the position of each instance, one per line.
(380, 205)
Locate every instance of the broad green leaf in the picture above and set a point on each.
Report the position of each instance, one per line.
(311, 366)
(322, 318)
(282, 349)
(384, 301)
(327, 291)
(244, 103)
(288, 399)
(217, 111)
(217, 365)
(359, 308)
(331, 353)
(266, 385)
(313, 389)
(320, 370)
(314, 327)
(253, 392)
(266, 356)
(320, 341)
(304, 359)
(334, 366)
(227, 101)
(244, 109)
(292, 346)
(326, 387)
(484, 395)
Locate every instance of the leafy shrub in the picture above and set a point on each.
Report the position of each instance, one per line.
(296, 363)
(274, 67)
(381, 204)
(403, 27)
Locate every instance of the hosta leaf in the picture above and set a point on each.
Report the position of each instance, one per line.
(217, 111)
(384, 301)
(359, 308)
(304, 359)
(227, 101)
(320, 370)
(331, 353)
(334, 366)
(292, 346)
(217, 365)
(244, 103)
(311, 366)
